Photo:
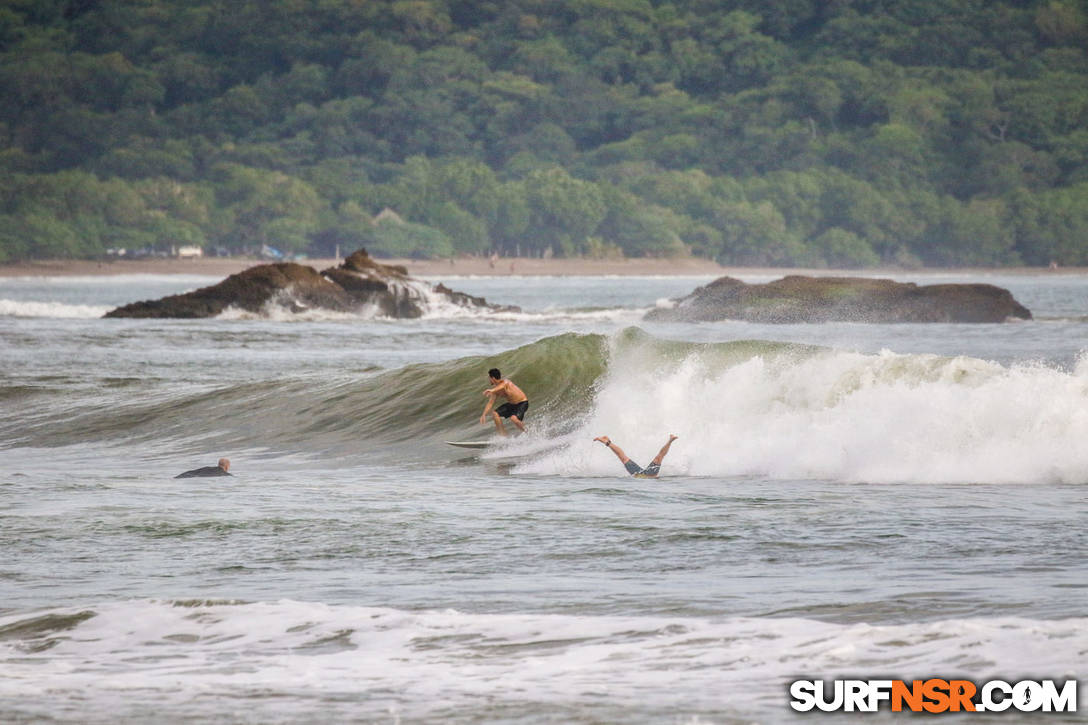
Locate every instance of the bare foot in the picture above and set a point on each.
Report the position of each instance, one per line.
(672, 437)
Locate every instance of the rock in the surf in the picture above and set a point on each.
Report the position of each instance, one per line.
(358, 285)
(390, 290)
(798, 298)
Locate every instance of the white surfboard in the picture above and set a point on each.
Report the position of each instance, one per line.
(469, 444)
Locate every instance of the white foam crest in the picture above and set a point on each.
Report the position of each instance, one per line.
(839, 416)
(16, 308)
(281, 311)
(619, 315)
(422, 661)
(284, 307)
(439, 306)
(433, 303)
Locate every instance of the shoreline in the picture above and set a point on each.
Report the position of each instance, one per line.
(483, 267)
(420, 268)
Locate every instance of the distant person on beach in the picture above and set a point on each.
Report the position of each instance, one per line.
(515, 406)
(633, 468)
(206, 471)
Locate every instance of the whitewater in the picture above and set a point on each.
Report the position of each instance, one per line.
(843, 500)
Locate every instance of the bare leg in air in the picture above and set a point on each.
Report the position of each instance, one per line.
(613, 447)
(651, 471)
(664, 450)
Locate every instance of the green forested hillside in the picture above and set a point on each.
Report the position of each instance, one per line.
(839, 132)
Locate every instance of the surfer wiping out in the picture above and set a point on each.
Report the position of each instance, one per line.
(633, 468)
(515, 407)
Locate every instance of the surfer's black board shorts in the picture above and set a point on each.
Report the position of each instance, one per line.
(508, 409)
(636, 470)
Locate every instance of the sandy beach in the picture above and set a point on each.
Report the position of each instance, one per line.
(423, 268)
(463, 266)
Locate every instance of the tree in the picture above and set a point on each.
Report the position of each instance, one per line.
(422, 21)
(144, 158)
(1003, 168)
(563, 211)
(547, 142)
(1051, 226)
(545, 61)
(470, 183)
(858, 207)
(513, 216)
(861, 125)
(896, 152)
(976, 233)
(1061, 22)
(816, 98)
(1071, 155)
(755, 234)
(397, 239)
(371, 63)
(637, 229)
(799, 197)
(466, 233)
(841, 248)
(47, 237)
(266, 208)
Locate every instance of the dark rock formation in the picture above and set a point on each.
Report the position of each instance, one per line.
(850, 299)
(358, 285)
(298, 286)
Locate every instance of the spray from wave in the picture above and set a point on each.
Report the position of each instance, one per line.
(794, 412)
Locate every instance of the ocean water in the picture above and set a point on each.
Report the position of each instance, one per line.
(843, 500)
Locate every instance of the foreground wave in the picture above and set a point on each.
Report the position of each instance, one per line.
(740, 408)
(189, 659)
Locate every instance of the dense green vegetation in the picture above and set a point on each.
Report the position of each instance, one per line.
(839, 132)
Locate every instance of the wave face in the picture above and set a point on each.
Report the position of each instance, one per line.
(184, 659)
(418, 403)
(742, 408)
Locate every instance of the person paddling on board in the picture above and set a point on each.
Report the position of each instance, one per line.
(633, 468)
(515, 406)
(219, 470)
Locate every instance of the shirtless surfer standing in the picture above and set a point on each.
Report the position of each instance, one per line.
(515, 406)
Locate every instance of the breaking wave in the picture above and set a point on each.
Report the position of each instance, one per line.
(814, 413)
(742, 408)
(17, 308)
(181, 658)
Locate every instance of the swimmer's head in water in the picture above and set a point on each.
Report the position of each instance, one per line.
(224, 463)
